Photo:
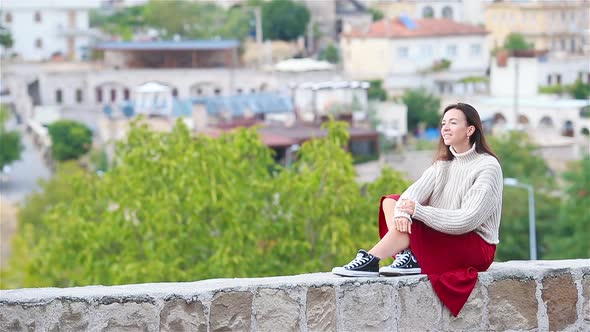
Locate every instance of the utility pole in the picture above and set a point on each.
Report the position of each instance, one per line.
(258, 14)
(516, 77)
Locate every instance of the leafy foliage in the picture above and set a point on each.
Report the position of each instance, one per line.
(516, 42)
(376, 13)
(284, 19)
(580, 90)
(330, 54)
(376, 91)
(11, 146)
(69, 139)
(422, 107)
(571, 239)
(521, 160)
(6, 37)
(175, 208)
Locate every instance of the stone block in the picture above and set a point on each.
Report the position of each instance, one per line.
(367, 307)
(231, 311)
(19, 318)
(179, 316)
(420, 308)
(126, 316)
(275, 310)
(67, 316)
(586, 296)
(470, 317)
(321, 309)
(560, 295)
(512, 305)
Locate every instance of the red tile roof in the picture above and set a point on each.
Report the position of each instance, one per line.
(428, 27)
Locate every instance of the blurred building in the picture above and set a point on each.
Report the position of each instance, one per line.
(439, 54)
(468, 11)
(171, 54)
(557, 26)
(42, 29)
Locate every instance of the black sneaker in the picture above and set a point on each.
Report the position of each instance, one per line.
(404, 264)
(363, 265)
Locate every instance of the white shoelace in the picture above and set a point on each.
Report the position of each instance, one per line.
(402, 258)
(358, 261)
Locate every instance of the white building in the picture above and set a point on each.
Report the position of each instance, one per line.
(467, 11)
(438, 54)
(45, 28)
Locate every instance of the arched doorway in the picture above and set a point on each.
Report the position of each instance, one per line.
(546, 122)
(568, 129)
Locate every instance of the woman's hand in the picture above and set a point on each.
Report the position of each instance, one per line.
(403, 225)
(407, 206)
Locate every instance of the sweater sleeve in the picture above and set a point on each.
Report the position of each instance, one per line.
(420, 191)
(477, 205)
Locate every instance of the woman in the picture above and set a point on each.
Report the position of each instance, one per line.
(450, 217)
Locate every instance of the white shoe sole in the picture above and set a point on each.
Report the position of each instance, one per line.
(386, 271)
(348, 273)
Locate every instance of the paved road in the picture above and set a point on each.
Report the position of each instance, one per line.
(24, 173)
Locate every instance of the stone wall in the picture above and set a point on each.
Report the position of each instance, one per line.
(516, 295)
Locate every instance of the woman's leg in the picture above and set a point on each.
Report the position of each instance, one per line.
(393, 241)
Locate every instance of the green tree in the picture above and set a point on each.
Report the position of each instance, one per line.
(175, 208)
(376, 91)
(330, 54)
(5, 37)
(376, 13)
(580, 90)
(69, 139)
(284, 20)
(520, 159)
(516, 42)
(571, 239)
(11, 146)
(423, 107)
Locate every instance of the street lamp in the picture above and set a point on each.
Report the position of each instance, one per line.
(532, 231)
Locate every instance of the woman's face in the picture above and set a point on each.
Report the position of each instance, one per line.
(454, 128)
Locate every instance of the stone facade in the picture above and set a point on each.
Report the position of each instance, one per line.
(515, 296)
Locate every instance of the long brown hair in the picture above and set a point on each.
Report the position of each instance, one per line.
(473, 119)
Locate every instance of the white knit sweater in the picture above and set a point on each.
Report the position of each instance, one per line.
(459, 196)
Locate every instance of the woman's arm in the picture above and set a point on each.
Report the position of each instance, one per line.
(478, 204)
(419, 191)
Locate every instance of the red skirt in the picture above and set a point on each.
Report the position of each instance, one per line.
(450, 261)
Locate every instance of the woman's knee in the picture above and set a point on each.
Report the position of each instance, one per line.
(389, 202)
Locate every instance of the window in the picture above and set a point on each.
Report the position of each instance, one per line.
(426, 51)
(199, 91)
(98, 95)
(8, 18)
(558, 79)
(447, 12)
(175, 92)
(475, 49)
(452, 50)
(37, 17)
(548, 79)
(79, 97)
(113, 95)
(563, 45)
(573, 45)
(402, 52)
(126, 94)
(39, 43)
(58, 96)
(427, 12)
(217, 91)
(239, 91)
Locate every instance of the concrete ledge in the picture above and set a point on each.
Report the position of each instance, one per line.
(516, 295)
